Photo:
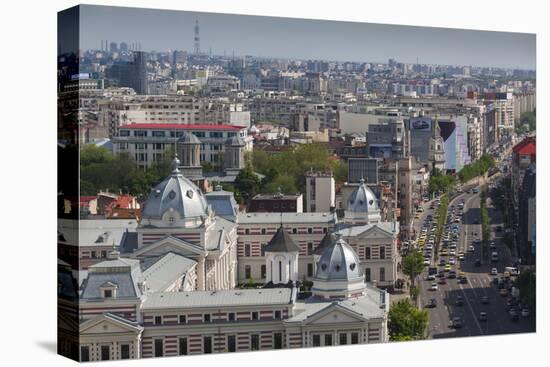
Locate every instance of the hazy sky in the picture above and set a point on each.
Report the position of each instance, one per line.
(163, 30)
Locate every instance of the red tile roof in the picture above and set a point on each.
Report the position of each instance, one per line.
(527, 146)
(183, 127)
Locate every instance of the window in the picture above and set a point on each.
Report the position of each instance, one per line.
(343, 339)
(254, 315)
(367, 274)
(183, 319)
(310, 248)
(367, 253)
(310, 230)
(207, 344)
(247, 231)
(382, 274)
(294, 230)
(206, 317)
(84, 354)
(254, 342)
(310, 269)
(103, 254)
(247, 249)
(94, 255)
(277, 314)
(158, 134)
(382, 252)
(277, 341)
(262, 247)
(105, 352)
(316, 340)
(231, 343)
(328, 339)
(247, 272)
(354, 338)
(125, 351)
(108, 293)
(264, 271)
(263, 230)
(231, 316)
(325, 230)
(124, 133)
(158, 320)
(182, 345)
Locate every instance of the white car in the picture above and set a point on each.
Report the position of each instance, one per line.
(525, 313)
(433, 287)
(494, 271)
(471, 248)
(452, 253)
(452, 261)
(426, 262)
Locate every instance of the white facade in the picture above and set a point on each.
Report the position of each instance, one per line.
(320, 192)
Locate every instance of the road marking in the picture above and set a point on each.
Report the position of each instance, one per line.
(471, 309)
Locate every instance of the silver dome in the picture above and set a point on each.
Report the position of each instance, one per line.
(338, 262)
(178, 194)
(363, 200)
(189, 138)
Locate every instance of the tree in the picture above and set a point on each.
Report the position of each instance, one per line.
(406, 322)
(284, 183)
(247, 183)
(412, 266)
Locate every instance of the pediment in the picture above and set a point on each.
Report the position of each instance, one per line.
(334, 314)
(374, 231)
(103, 324)
(170, 244)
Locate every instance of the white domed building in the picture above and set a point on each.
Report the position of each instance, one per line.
(177, 218)
(373, 240)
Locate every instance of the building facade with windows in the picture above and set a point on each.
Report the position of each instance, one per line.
(147, 143)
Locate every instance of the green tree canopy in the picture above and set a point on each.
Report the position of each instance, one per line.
(406, 322)
(412, 265)
(247, 184)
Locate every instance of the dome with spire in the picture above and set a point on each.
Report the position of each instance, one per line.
(175, 201)
(338, 272)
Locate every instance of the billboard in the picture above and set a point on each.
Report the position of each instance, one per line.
(420, 124)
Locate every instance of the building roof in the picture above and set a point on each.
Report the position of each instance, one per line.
(235, 141)
(362, 200)
(367, 306)
(338, 263)
(286, 218)
(165, 270)
(527, 146)
(219, 299)
(175, 193)
(327, 240)
(281, 242)
(94, 232)
(223, 202)
(353, 230)
(126, 285)
(184, 127)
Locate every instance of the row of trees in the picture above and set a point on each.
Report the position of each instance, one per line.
(478, 168)
(485, 221)
(101, 170)
(440, 182)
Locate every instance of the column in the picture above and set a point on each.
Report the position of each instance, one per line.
(201, 281)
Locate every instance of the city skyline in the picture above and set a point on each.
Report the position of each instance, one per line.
(287, 38)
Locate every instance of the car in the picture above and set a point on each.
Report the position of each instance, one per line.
(456, 322)
(452, 253)
(485, 300)
(492, 246)
(430, 277)
(447, 267)
(452, 261)
(525, 312)
(460, 257)
(426, 262)
(459, 301)
(433, 287)
(495, 281)
(452, 274)
(432, 303)
(444, 253)
(494, 271)
(503, 292)
(419, 209)
(462, 280)
(442, 280)
(416, 216)
(482, 316)
(471, 248)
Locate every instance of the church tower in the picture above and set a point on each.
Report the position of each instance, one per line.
(281, 255)
(189, 149)
(234, 155)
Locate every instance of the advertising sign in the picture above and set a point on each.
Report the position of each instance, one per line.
(380, 151)
(421, 124)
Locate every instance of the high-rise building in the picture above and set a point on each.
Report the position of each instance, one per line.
(113, 47)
